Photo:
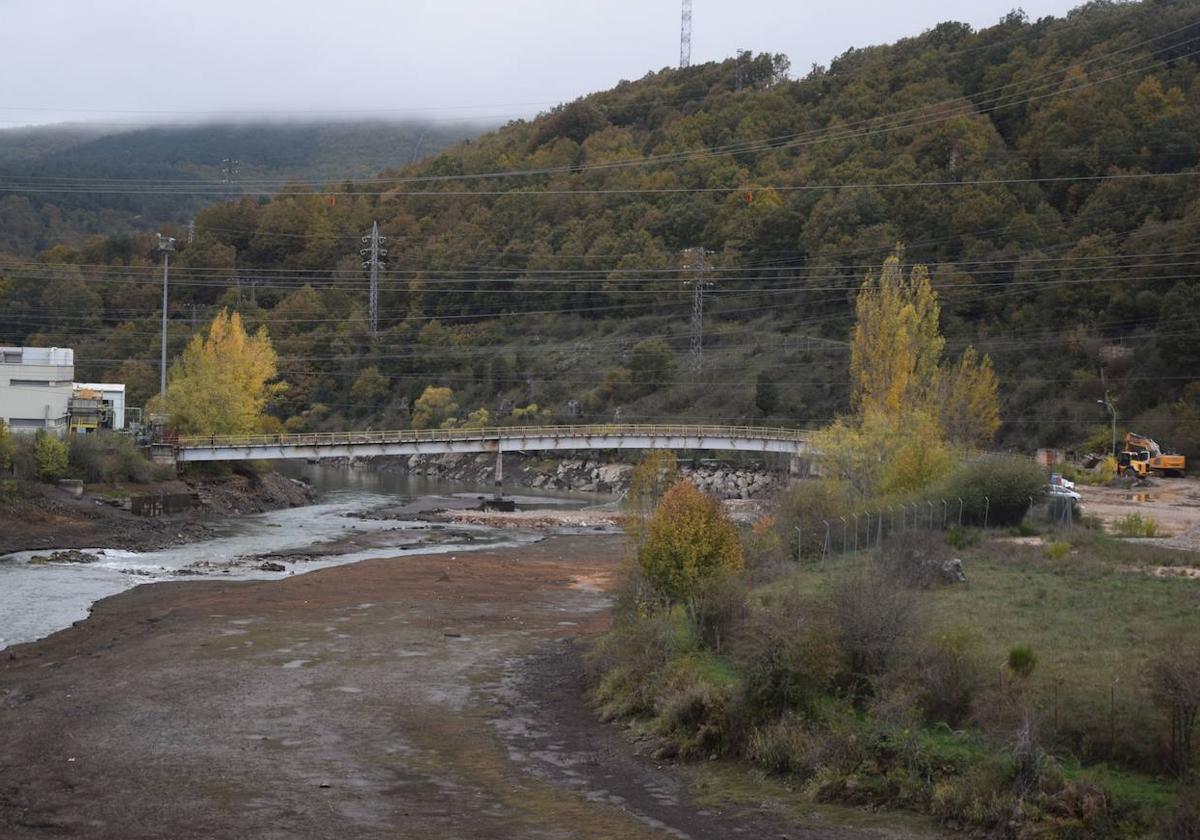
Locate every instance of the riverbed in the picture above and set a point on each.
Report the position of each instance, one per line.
(40, 598)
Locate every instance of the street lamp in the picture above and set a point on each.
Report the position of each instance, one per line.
(1113, 411)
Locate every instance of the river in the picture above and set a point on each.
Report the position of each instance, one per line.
(39, 599)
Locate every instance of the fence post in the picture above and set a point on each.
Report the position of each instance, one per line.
(930, 503)
(854, 516)
(844, 538)
(879, 527)
(868, 529)
(799, 545)
(944, 509)
(987, 508)
(959, 511)
(825, 548)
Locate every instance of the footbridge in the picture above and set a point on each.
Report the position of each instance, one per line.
(368, 444)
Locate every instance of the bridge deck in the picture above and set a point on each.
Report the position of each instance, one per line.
(440, 441)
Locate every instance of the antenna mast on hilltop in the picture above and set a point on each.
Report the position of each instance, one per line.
(685, 35)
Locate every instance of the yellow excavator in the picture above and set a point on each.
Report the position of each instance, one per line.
(1143, 457)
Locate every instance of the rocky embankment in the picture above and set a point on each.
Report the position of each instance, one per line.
(586, 474)
(46, 517)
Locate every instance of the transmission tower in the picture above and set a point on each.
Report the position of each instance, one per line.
(694, 263)
(685, 35)
(373, 254)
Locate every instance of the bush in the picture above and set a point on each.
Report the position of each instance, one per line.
(786, 746)
(1006, 482)
(914, 559)
(950, 673)
(1022, 660)
(1183, 822)
(808, 505)
(49, 457)
(1058, 550)
(695, 715)
(111, 458)
(1135, 525)
(872, 619)
(962, 538)
(631, 660)
(786, 657)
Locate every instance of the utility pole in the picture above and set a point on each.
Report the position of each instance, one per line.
(373, 253)
(693, 262)
(166, 245)
(685, 35)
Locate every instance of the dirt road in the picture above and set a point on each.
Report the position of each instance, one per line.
(433, 696)
(1174, 503)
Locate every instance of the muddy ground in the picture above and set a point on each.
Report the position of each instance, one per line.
(424, 697)
(1174, 503)
(53, 518)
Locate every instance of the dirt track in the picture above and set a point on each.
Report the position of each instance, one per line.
(424, 697)
(1174, 503)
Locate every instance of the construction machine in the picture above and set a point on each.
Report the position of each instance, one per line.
(1143, 457)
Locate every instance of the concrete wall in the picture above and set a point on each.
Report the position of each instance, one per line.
(35, 387)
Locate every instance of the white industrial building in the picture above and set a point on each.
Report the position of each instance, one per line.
(36, 384)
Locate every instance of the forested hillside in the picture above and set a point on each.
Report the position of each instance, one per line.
(1045, 171)
(46, 173)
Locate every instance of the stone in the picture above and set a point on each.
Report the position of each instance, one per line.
(272, 566)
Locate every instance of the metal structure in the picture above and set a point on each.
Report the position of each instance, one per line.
(373, 254)
(694, 262)
(503, 439)
(166, 244)
(685, 35)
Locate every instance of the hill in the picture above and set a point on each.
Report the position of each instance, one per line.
(1044, 170)
(45, 172)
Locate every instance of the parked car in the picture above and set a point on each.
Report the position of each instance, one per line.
(1059, 491)
(1058, 480)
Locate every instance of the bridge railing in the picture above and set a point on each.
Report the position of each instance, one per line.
(499, 433)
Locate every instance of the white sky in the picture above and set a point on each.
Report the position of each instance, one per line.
(138, 60)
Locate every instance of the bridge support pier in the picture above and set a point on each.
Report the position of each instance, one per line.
(499, 471)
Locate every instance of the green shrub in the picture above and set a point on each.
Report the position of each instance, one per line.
(786, 746)
(49, 457)
(695, 714)
(1058, 550)
(631, 659)
(1135, 525)
(873, 619)
(786, 656)
(914, 559)
(962, 538)
(1022, 660)
(1006, 482)
(106, 457)
(950, 673)
(809, 505)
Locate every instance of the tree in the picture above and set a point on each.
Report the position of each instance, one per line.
(648, 483)
(1175, 685)
(897, 342)
(651, 365)
(50, 457)
(766, 394)
(433, 408)
(221, 383)
(690, 544)
(6, 448)
(371, 389)
(970, 411)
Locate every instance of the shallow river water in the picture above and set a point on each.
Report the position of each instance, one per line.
(39, 599)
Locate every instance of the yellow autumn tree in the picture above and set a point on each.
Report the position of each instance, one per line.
(433, 408)
(970, 410)
(690, 544)
(910, 405)
(897, 344)
(221, 383)
(650, 480)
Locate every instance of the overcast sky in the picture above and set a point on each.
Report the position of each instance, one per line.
(137, 60)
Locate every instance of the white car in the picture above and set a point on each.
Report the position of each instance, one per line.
(1058, 480)
(1059, 491)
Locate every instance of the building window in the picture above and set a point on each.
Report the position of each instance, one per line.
(11, 357)
(25, 423)
(31, 383)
